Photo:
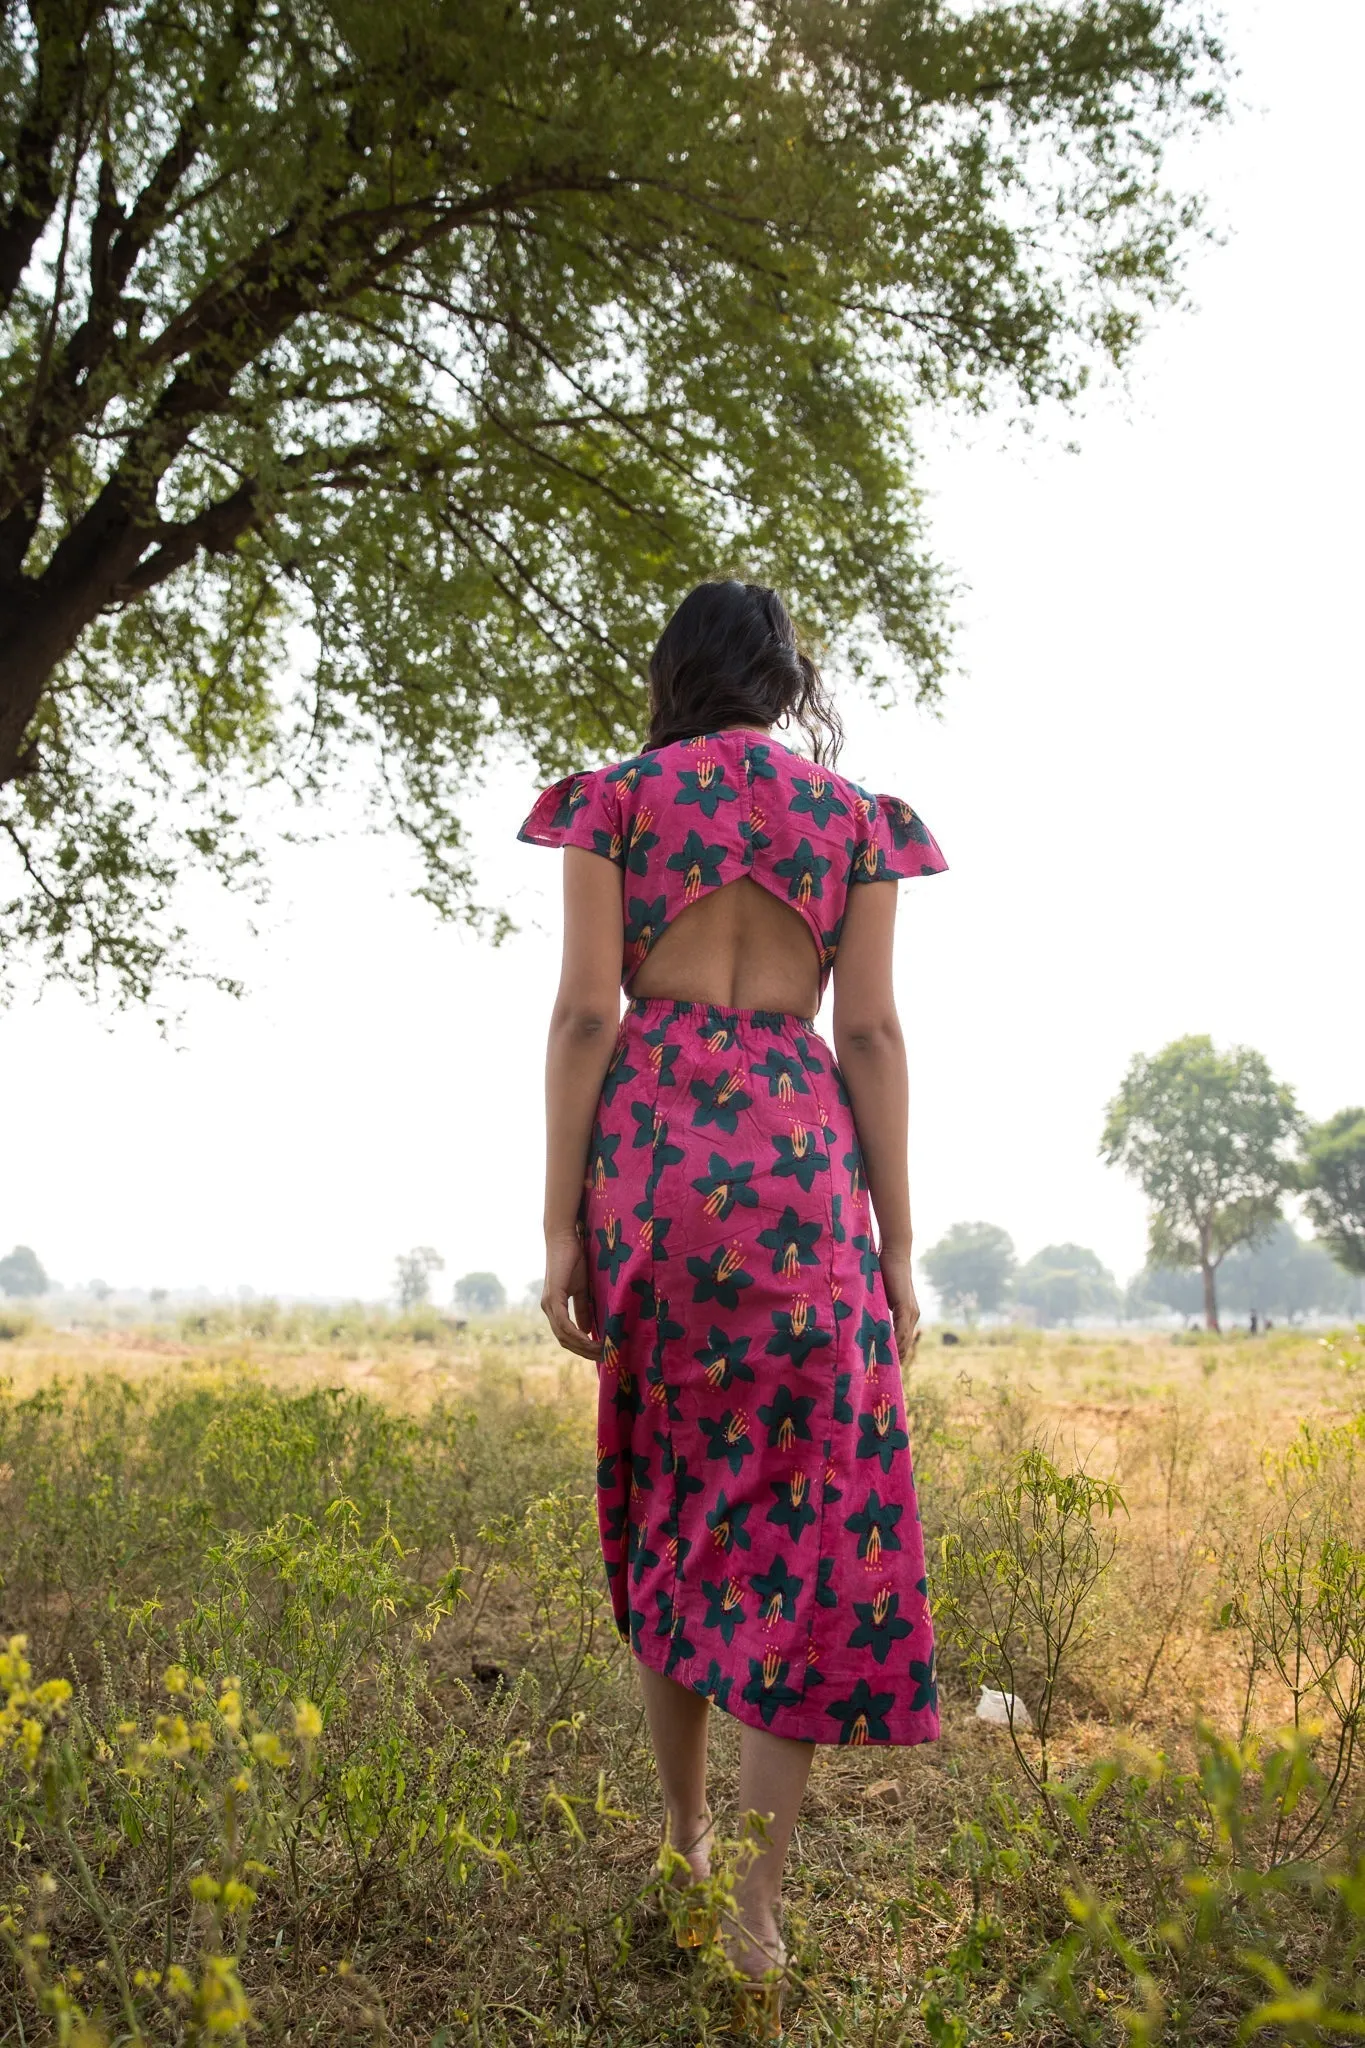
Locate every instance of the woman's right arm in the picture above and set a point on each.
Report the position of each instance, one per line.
(871, 1053)
(582, 1037)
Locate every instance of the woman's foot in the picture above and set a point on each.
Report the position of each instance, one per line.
(757, 1955)
(691, 1840)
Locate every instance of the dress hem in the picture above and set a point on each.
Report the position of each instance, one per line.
(781, 1724)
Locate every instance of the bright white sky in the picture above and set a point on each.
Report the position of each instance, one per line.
(1147, 782)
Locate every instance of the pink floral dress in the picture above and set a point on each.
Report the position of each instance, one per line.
(755, 1493)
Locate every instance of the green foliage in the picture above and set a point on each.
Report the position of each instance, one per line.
(450, 346)
(1206, 1135)
(971, 1269)
(21, 1272)
(1064, 1281)
(1020, 1571)
(483, 1294)
(1333, 1180)
(1284, 1276)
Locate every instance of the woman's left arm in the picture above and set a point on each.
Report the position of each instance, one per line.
(583, 1027)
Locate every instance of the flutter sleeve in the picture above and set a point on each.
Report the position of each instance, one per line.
(581, 810)
(895, 844)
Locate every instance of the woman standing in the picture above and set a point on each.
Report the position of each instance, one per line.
(709, 1235)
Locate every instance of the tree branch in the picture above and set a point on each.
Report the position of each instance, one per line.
(59, 66)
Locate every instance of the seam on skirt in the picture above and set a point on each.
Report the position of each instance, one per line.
(683, 1007)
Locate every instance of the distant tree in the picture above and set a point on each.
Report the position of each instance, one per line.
(534, 1290)
(1064, 1281)
(1282, 1275)
(1333, 1180)
(971, 1268)
(413, 1275)
(100, 1289)
(1158, 1288)
(22, 1273)
(1207, 1135)
(482, 1294)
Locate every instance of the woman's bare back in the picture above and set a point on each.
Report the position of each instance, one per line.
(739, 947)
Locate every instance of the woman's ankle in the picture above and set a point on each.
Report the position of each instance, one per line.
(689, 1833)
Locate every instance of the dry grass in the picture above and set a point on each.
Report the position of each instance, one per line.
(927, 1899)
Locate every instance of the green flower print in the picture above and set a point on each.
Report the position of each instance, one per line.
(868, 1264)
(792, 1243)
(718, 1031)
(857, 1172)
(608, 844)
(720, 1102)
(751, 830)
(671, 1624)
(800, 1156)
(721, 1276)
(803, 872)
(640, 1554)
(612, 1249)
(639, 841)
(673, 1465)
(724, 1607)
(628, 774)
(618, 1073)
(573, 799)
(636, 1622)
(760, 766)
(791, 1509)
(777, 1592)
(862, 1716)
(787, 1418)
(699, 863)
(767, 1688)
(722, 1359)
(926, 1685)
(728, 1440)
(906, 829)
(836, 1219)
(809, 1063)
(817, 795)
(880, 1436)
(874, 1339)
(727, 1524)
(654, 1229)
(725, 1187)
(783, 1075)
(829, 944)
(644, 1116)
(706, 787)
(666, 1153)
(715, 1686)
(825, 1595)
(843, 1407)
(796, 1333)
(607, 1461)
(874, 1525)
(602, 1165)
(645, 919)
(880, 1625)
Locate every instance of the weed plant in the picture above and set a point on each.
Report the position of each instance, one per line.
(314, 1727)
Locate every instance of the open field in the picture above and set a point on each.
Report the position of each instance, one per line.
(350, 1746)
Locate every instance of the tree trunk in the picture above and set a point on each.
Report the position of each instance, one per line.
(1210, 1296)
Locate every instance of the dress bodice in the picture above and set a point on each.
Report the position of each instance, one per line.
(683, 820)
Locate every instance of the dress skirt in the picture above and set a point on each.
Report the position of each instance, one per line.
(755, 1494)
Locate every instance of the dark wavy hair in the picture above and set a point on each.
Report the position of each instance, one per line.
(728, 656)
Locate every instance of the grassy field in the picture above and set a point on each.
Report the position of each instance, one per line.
(313, 1727)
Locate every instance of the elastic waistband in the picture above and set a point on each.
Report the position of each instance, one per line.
(660, 1007)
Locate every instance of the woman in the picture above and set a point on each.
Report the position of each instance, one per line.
(708, 1232)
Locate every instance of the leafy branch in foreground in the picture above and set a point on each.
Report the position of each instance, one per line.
(372, 380)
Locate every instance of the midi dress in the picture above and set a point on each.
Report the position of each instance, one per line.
(756, 1499)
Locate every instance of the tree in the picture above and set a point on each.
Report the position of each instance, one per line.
(1283, 1276)
(1156, 1288)
(1207, 1136)
(1333, 1181)
(445, 347)
(22, 1273)
(413, 1272)
(970, 1269)
(1064, 1281)
(482, 1294)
